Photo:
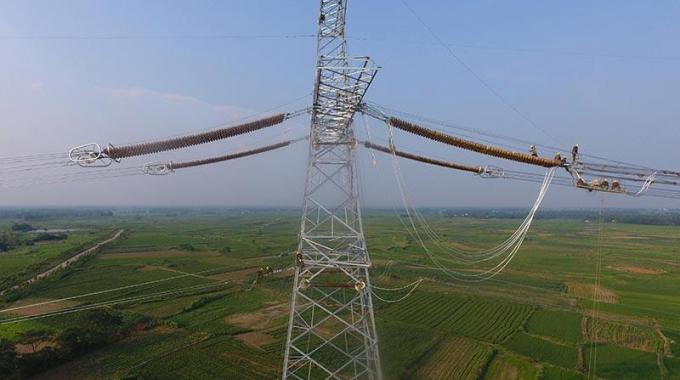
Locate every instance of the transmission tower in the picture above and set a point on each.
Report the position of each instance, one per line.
(331, 328)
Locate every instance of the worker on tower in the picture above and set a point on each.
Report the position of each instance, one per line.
(574, 153)
(558, 157)
(604, 184)
(533, 151)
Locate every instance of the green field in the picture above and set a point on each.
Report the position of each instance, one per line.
(615, 362)
(455, 358)
(184, 294)
(543, 350)
(490, 321)
(561, 325)
(506, 365)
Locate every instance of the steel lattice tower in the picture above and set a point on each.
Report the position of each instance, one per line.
(331, 328)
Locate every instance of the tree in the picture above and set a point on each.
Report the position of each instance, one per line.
(8, 240)
(187, 247)
(103, 321)
(8, 360)
(32, 364)
(22, 227)
(74, 341)
(96, 328)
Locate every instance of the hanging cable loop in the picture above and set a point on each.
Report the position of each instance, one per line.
(413, 286)
(646, 185)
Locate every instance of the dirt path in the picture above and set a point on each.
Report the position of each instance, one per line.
(663, 351)
(67, 262)
(666, 342)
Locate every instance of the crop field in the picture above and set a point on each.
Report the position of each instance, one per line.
(467, 316)
(557, 373)
(568, 330)
(455, 358)
(614, 362)
(181, 298)
(543, 350)
(508, 366)
(394, 336)
(18, 264)
(635, 337)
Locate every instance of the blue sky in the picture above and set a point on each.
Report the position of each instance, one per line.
(601, 74)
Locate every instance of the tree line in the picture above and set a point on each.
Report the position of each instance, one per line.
(42, 349)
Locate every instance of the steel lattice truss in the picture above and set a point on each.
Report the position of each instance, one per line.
(331, 332)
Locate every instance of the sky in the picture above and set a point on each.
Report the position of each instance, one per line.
(603, 74)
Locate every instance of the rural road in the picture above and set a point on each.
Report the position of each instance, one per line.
(67, 262)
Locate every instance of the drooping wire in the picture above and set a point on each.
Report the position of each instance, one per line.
(597, 293)
(469, 257)
(413, 286)
(173, 292)
(126, 287)
(461, 276)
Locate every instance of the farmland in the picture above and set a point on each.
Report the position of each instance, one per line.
(183, 299)
(568, 330)
(466, 316)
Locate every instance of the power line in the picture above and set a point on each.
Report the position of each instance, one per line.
(173, 292)
(381, 113)
(616, 181)
(293, 36)
(159, 37)
(126, 287)
(513, 49)
(475, 75)
(588, 54)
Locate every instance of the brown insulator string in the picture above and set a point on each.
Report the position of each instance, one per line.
(212, 160)
(473, 146)
(118, 152)
(446, 164)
